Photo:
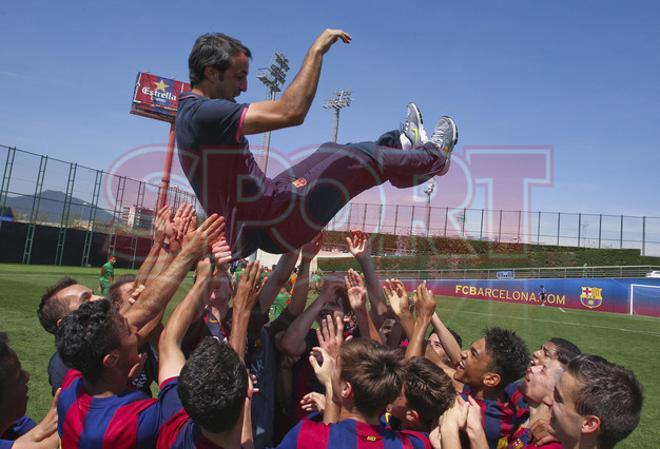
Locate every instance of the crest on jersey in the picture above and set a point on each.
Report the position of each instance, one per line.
(300, 182)
(591, 297)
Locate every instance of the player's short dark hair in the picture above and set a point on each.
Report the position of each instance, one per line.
(509, 354)
(374, 372)
(86, 335)
(114, 292)
(212, 385)
(566, 350)
(610, 392)
(51, 309)
(213, 49)
(6, 368)
(428, 389)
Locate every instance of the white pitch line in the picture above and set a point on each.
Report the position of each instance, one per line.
(632, 331)
(562, 310)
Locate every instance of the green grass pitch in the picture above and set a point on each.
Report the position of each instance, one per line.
(631, 341)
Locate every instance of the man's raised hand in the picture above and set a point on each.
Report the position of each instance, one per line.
(331, 335)
(249, 287)
(358, 244)
(424, 302)
(326, 39)
(312, 248)
(357, 293)
(199, 240)
(396, 294)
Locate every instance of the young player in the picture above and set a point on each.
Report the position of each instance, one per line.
(107, 276)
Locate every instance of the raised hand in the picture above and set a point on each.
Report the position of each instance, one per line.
(312, 248)
(221, 250)
(160, 223)
(358, 244)
(323, 43)
(396, 294)
(199, 240)
(357, 293)
(331, 335)
(249, 287)
(424, 302)
(322, 369)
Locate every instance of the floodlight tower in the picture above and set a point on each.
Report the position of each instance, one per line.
(428, 191)
(342, 99)
(273, 78)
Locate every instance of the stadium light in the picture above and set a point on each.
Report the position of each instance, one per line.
(273, 77)
(342, 99)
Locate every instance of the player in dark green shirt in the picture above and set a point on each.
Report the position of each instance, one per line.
(107, 276)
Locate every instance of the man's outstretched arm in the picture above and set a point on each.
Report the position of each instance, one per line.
(292, 107)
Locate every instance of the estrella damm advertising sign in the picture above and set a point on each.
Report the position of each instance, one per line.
(156, 97)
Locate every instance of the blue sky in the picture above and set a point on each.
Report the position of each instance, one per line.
(582, 77)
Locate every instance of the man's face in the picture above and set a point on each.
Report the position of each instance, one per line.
(15, 391)
(124, 294)
(233, 81)
(399, 407)
(565, 421)
(74, 295)
(474, 364)
(113, 260)
(547, 351)
(386, 329)
(436, 346)
(540, 381)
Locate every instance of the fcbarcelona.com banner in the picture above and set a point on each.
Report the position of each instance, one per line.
(635, 296)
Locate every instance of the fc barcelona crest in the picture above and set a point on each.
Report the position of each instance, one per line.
(591, 297)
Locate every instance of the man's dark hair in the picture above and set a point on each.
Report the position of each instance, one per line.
(114, 292)
(427, 389)
(566, 350)
(374, 372)
(213, 49)
(86, 335)
(51, 309)
(610, 392)
(213, 385)
(457, 337)
(509, 354)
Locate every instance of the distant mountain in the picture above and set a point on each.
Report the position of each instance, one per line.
(51, 205)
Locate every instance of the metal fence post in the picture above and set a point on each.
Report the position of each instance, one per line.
(519, 223)
(364, 217)
(396, 217)
(116, 213)
(499, 232)
(29, 238)
(558, 226)
(140, 208)
(481, 226)
(66, 209)
(446, 218)
(538, 230)
(621, 234)
(380, 218)
(6, 179)
(579, 228)
(644, 235)
(89, 234)
(464, 218)
(348, 222)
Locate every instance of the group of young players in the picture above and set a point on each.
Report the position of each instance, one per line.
(367, 375)
(354, 368)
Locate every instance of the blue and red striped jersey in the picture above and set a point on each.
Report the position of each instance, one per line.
(501, 417)
(311, 433)
(126, 421)
(181, 432)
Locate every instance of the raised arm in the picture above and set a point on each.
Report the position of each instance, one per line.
(398, 297)
(292, 107)
(425, 307)
(447, 340)
(276, 280)
(301, 287)
(170, 355)
(159, 291)
(359, 247)
(162, 217)
(248, 290)
(293, 341)
(357, 296)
